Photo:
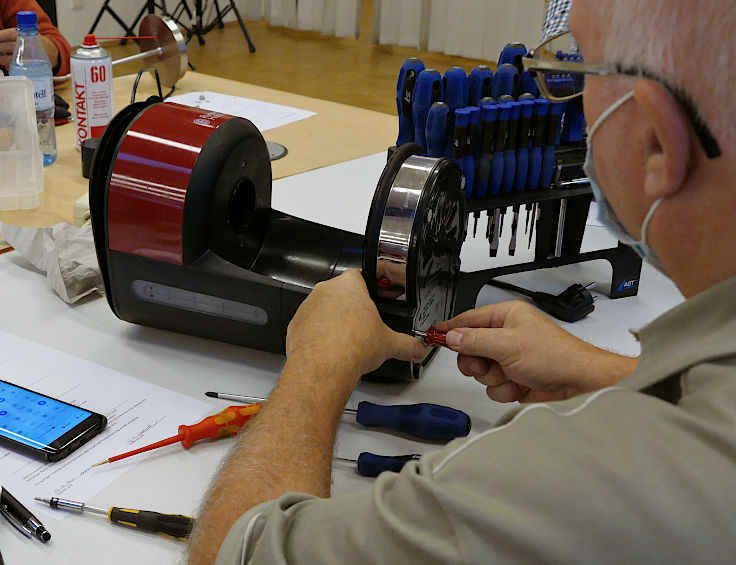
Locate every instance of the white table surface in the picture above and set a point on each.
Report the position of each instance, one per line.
(175, 480)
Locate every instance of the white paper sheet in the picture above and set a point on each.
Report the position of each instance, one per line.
(138, 413)
(264, 115)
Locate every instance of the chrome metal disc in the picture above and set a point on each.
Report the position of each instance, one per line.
(415, 230)
(171, 60)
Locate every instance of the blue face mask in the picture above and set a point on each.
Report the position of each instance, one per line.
(606, 214)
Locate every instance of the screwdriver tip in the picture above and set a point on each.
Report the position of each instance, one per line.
(101, 463)
(211, 394)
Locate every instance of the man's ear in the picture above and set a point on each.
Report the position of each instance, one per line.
(667, 146)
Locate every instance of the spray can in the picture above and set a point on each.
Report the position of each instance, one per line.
(92, 90)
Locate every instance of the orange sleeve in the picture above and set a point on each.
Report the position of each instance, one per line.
(8, 10)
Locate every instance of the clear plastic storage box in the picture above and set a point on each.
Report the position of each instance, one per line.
(21, 165)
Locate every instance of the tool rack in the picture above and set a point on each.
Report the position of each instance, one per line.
(558, 241)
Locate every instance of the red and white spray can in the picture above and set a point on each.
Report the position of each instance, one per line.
(92, 90)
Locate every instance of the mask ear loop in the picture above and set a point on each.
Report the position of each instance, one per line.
(647, 218)
(610, 110)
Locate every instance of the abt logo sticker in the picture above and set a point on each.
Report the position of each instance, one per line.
(625, 285)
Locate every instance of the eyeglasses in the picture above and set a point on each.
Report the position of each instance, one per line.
(560, 76)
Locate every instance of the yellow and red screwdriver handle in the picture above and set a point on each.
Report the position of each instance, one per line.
(225, 423)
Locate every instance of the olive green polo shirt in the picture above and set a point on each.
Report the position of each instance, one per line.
(643, 472)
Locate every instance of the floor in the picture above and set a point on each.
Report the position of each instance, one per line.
(350, 71)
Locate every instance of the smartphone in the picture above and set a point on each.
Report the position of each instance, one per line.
(41, 426)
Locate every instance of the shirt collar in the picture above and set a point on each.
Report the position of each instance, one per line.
(701, 328)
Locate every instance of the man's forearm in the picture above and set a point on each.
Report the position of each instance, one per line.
(52, 51)
(287, 448)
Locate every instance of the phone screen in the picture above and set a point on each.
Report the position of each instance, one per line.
(33, 419)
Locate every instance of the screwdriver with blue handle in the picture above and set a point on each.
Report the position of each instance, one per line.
(436, 131)
(539, 124)
(410, 69)
(427, 91)
(506, 81)
(424, 420)
(497, 169)
(480, 84)
(522, 160)
(372, 465)
(175, 525)
(460, 140)
(488, 116)
(455, 95)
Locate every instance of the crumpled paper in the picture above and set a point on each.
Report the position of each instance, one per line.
(66, 253)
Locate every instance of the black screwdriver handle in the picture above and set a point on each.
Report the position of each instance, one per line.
(174, 525)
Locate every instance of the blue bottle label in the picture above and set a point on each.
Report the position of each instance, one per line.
(43, 92)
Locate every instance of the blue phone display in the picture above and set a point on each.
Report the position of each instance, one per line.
(34, 419)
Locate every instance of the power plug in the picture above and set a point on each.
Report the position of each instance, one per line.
(572, 304)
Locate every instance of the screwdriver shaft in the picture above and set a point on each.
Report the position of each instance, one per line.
(244, 398)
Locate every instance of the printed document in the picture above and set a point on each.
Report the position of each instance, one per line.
(138, 413)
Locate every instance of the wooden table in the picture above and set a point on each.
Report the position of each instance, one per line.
(337, 133)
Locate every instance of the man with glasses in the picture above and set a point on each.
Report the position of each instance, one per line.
(614, 460)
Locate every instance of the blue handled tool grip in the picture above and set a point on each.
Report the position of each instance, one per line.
(480, 84)
(539, 121)
(436, 132)
(455, 95)
(509, 154)
(497, 162)
(574, 122)
(455, 88)
(461, 146)
(522, 168)
(535, 168)
(510, 52)
(497, 167)
(552, 140)
(528, 84)
(506, 81)
(509, 170)
(548, 166)
(427, 91)
(410, 69)
(372, 465)
(522, 152)
(468, 169)
(488, 113)
(473, 147)
(459, 134)
(426, 421)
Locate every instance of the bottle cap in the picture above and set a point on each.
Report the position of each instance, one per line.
(90, 40)
(27, 20)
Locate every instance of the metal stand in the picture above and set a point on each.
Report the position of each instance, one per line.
(106, 8)
(200, 29)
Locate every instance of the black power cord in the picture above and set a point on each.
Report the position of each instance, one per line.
(572, 304)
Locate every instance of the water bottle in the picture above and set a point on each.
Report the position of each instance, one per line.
(30, 60)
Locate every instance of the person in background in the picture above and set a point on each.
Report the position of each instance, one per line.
(57, 47)
(611, 460)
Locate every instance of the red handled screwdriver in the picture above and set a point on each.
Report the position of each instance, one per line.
(226, 423)
(432, 336)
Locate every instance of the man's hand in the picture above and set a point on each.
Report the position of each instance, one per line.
(522, 355)
(7, 44)
(338, 325)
